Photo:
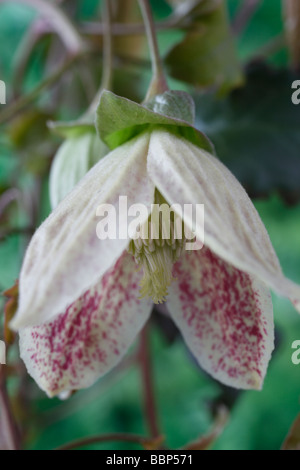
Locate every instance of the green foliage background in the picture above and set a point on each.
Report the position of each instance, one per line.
(259, 420)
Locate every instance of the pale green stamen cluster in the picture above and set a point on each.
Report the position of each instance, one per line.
(156, 256)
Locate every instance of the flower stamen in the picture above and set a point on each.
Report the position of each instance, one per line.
(157, 253)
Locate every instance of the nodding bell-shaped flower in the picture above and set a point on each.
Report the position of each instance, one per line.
(83, 301)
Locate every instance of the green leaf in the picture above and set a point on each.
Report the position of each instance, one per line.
(29, 134)
(29, 128)
(256, 131)
(265, 25)
(207, 56)
(119, 119)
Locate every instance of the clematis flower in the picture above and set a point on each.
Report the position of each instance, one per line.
(83, 301)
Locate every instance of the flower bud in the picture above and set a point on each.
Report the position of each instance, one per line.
(75, 157)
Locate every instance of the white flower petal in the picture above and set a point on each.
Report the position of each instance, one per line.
(91, 337)
(186, 174)
(65, 257)
(225, 316)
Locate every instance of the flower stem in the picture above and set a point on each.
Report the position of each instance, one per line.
(135, 29)
(149, 398)
(60, 23)
(107, 46)
(10, 111)
(8, 424)
(291, 11)
(159, 82)
(244, 15)
(107, 64)
(143, 441)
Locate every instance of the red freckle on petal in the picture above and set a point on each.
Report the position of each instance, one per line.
(92, 335)
(225, 316)
(79, 354)
(185, 289)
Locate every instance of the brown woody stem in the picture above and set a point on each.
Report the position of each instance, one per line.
(291, 10)
(143, 441)
(149, 398)
(8, 425)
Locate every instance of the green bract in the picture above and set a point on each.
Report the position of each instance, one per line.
(119, 119)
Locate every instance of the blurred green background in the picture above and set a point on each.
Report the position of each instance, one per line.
(269, 141)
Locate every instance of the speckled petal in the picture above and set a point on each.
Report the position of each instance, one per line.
(91, 337)
(65, 256)
(186, 174)
(226, 318)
